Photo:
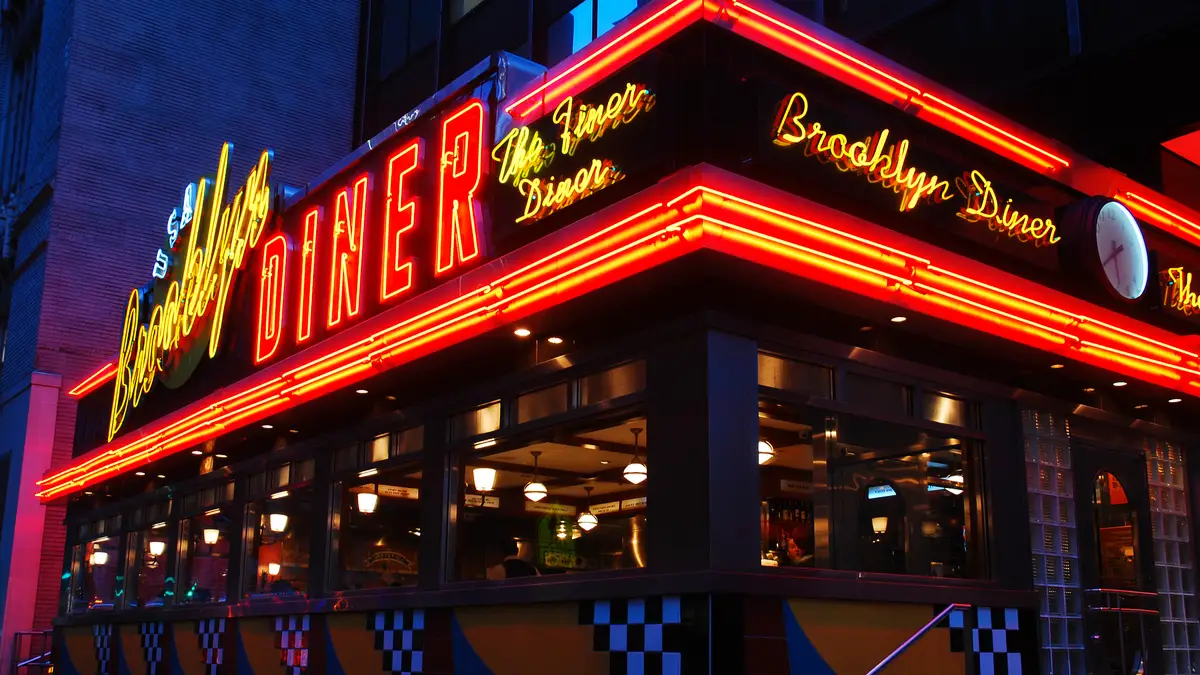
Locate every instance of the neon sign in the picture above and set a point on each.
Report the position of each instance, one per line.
(183, 314)
(523, 154)
(1177, 291)
(884, 164)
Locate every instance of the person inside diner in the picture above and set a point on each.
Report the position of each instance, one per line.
(513, 564)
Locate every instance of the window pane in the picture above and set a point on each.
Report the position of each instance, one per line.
(613, 383)
(278, 561)
(150, 565)
(609, 12)
(379, 531)
(587, 515)
(948, 410)
(543, 403)
(205, 565)
(877, 395)
(570, 33)
(481, 420)
(804, 378)
(346, 458)
(409, 440)
(785, 455)
(423, 25)
(459, 8)
(393, 39)
(96, 587)
(377, 449)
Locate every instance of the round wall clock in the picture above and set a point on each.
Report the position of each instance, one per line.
(1110, 243)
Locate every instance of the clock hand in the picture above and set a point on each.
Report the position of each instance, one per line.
(1116, 250)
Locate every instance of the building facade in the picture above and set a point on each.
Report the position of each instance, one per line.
(101, 111)
(912, 370)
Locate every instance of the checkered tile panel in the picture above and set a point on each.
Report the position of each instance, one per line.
(997, 641)
(103, 636)
(152, 634)
(643, 636)
(400, 636)
(293, 642)
(209, 632)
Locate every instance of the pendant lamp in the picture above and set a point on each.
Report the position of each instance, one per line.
(587, 520)
(635, 471)
(535, 490)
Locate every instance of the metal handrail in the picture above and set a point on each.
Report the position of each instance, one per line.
(915, 636)
(36, 660)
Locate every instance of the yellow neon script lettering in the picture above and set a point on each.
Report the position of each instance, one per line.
(590, 122)
(547, 195)
(1178, 293)
(984, 206)
(885, 167)
(520, 153)
(200, 289)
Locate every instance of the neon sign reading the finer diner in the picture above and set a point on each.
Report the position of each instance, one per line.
(523, 154)
(885, 165)
(1178, 293)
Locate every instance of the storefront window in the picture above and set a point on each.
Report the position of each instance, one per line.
(205, 567)
(148, 566)
(571, 501)
(846, 492)
(96, 585)
(378, 531)
(278, 560)
(1116, 537)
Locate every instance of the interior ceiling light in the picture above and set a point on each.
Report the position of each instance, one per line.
(99, 558)
(273, 569)
(1174, 400)
(554, 340)
(522, 332)
(361, 391)
(277, 522)
(157, 548)
(1057, 366)
(1119, 383)
(211, 535)
(485, 478)
(587, 520)
(899, 319)
(879, 524)
(635, 472)
(766, 452)
(535, 490)
(367, 501)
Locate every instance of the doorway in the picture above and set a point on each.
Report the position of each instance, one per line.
(1121, 619)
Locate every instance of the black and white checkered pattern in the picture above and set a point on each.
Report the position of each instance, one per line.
(400, 635)
(997, 641)
(102, 634)
(293, 642)
(210, 632)
(152, 634)
(643, 636)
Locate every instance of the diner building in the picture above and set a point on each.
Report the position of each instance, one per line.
(722, 346)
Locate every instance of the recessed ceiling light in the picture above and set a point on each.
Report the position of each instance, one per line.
(361, 391)
(1175, 400)
(1056, 366)
(1119, 384)
(197, 452)
(293, 431)
(222, 456)
(554, 340)
(140, 473)
(1088, 390)
(161, 476)
(590, 446)
(899, 319)
(1141, 406)
(268, 426)
(390, 397)
(866, 329)
(522, 332)
(88, 492)
(604, 461)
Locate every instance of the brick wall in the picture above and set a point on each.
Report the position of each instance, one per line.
(154, 87)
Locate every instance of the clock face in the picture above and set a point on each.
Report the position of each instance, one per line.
(1122, 250)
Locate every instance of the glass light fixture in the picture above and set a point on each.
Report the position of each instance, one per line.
(157, 548)
(766, 452)
(273, 569)
(367, 501)
(587, 520)
(99, 557)
(635, 471)
(879, 524)
(277, 522)
(955, 478)
(562, 530)
(211, 535)
(485, 478)
(535, 490)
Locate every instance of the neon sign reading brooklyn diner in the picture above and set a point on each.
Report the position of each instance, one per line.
(885, 165)
(167, 332)
(523, 153)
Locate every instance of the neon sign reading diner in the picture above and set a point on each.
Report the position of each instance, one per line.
(886, 168)
(523, 154)
(360, 218)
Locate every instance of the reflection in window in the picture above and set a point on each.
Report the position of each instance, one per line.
(149, 566)
(585, 22)
(851, 493)
(96, 586)
(565, 503)
(379, 531)
(278, 561)
(1116, 537)
(205, 567)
